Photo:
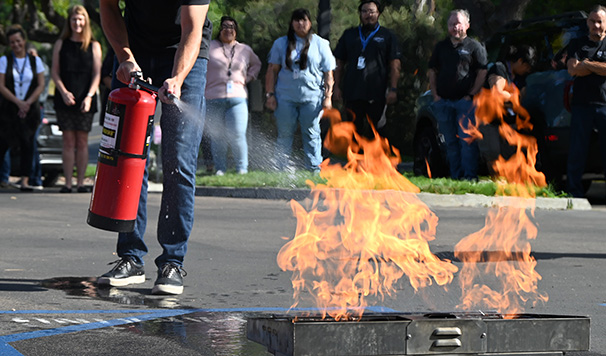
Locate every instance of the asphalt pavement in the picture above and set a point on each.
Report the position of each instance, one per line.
(50, 259)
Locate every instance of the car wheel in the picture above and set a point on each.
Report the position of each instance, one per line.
(428, 160)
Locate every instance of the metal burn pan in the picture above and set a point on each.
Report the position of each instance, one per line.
(421, 334)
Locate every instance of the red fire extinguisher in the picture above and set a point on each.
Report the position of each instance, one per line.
(122, 156)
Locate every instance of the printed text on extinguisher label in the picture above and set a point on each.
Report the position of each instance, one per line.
(110, 131)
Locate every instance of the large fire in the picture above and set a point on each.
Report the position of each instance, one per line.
(363, 230)
(502, 247)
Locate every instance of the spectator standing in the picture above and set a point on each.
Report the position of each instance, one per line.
(298, 84)
(21, 83)
(587, 63)
(368, 69)
(457, 72)
(230, 67)
(164, 40)
(76, 71)
(503, 77)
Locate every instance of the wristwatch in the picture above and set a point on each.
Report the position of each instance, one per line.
(269, 94)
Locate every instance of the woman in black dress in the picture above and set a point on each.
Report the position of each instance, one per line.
(76, 71)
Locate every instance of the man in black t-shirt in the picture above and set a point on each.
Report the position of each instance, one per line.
(504, 77)
(457, 72)
(164, 40)
(587, 63)
(368, 68)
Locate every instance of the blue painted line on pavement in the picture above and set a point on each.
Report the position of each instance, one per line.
(147, 314)
(117, 311)
(6, 349)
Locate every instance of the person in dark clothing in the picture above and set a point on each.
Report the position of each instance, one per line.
(164, 40)
(368, 69)
(587, 63)
(107, 71)
(76, 71)
(505, 77)
(457, 72)
(21, 83)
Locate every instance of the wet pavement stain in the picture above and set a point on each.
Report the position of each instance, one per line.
(202, 332)
(87, 287)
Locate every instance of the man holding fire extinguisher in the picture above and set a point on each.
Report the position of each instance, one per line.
(168, 42)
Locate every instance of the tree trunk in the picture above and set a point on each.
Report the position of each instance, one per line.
(324, 19)
(427, 7)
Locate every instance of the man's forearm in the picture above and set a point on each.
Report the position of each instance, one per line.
(576, 68)
(477, 85)
(598, 68)
(192, 24)
(394, 74)
(115, 29)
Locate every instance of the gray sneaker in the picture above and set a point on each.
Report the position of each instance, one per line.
(170, 279)
(125, 272)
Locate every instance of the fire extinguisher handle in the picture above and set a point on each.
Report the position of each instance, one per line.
(138, 81)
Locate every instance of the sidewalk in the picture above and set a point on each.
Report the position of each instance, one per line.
(432, 200)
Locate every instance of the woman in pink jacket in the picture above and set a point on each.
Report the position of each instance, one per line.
(230, 67)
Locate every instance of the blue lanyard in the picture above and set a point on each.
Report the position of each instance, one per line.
(22, 71)
(298, 51)
(366, 40)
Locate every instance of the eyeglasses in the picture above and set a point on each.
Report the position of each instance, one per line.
(228, 27)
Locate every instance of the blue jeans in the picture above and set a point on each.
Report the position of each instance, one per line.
(308, 115)
(227, 122)
(181, 136)
(584, 119)
(462, 156)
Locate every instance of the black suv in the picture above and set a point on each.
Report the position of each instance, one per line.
(547, 95)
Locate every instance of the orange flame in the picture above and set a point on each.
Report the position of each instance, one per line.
(502, 247)
(362, 231)
(428, 168)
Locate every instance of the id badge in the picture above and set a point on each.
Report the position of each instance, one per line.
(361, 62)
(295, 73)
(229, 88)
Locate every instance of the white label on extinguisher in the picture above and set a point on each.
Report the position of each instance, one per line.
(110, 130)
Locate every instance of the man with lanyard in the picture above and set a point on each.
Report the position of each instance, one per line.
(587, 63)
(164, 40)
(368, 69)
(457, 72)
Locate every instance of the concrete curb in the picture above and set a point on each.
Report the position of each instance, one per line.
(475, 200)
(432, 200)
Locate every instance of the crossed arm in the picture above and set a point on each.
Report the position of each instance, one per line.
(585, 67)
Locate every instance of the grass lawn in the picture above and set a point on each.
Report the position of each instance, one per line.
(298, 179)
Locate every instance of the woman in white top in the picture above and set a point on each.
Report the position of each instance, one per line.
(298, 86)
(21, 83)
